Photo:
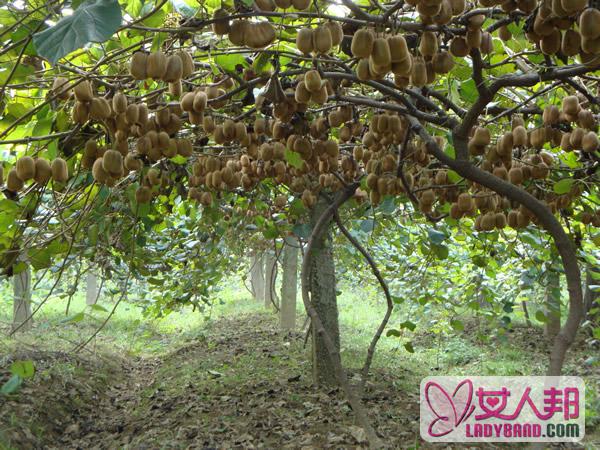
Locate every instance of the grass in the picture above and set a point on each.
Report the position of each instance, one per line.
(131, 335)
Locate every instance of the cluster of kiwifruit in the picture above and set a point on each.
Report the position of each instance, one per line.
(320, 39)
(312, 89)
(158, 66)
(590, 218)
(474, 38)
(438, 12)
(39, 170)
(270, 5)
(552, 30)
(251, 34)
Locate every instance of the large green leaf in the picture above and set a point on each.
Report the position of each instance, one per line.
(92, 21)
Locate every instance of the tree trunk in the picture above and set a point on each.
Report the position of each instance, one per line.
(552, 326)
(257, 277)
(324, 300)
(289, 286)
(591, 299)
(91, 293)
(270, 266)
(22, 300)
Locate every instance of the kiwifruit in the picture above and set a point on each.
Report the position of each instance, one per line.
(442, 62)
(418, 75)
(381, 54)
(550, 115)
(112, 162)
(458, 6)
(137, 65)
(187, 63)
(570, 105)
(60, 171)
(398, 48)
(550, 44)
(259, 35)
(228, 129)
(301, 95)
(474, 38)
(43, 171)
(590, 142)
(515, 175)
(519, 136)
(312, 81)
(319, 97)
(119, 103)
(588, 23)
(170, 150)
(428, 46)
(537, 138)
(187, 101)
(574, 6)
(571, 43)
(25, 168)
(61, 88)
(481, 136)
(143, 194)
(465, 202)
(237, 33)
(304, 40)
(283, 4)
(99, 109)
(163, 117)
(576, 137)
(301, 5)
(459, 47)
(265, 5)
(504, 33)
(156, 65)
(363, 73)
(199, 102)
(153, 176)
(585, 119)
(174, 70)
(132, 163)
(83, 91)
(500, 219)
(336, 31)
(322, 39)
(220, 25)
(362, 43)
(13, 182)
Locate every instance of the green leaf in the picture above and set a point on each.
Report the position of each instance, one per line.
(408, 325)
(435, 236)
(563, 186)
(393, 332)
(185, 8)
(302, 230)
(76, 318)
(92, 21)
(540, 316)
(23, 369)
(409, 347)
(457, 325)
(293, 158)
(12, 385)
(367, 225)
(468, 91)
(97, 307)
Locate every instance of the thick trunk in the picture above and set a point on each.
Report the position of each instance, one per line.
(289, 287)
(591, 299)
(552, 326)
(91, 292)
(22, 300)
(324, 300)
(270, 267)
(257, 277)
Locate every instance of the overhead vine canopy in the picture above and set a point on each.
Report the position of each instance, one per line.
(482, 115)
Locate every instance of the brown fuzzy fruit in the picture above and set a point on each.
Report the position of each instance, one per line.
(174, 70)
(60, 171)
(442, 62)
(13, 182)
(590, 142)
(336, 31)
(381, 54)
(260, 34)
(570, 105)
(322, 40)
(119, 103)
(312, 81)
(588, 23)
(43, 171)
(237, 33)
(200, 101)
(418, 75)
(143, 194)
(25, 168)
(221, 25)
(187, 63)
(301, 5)
(428, 46)
(99, 109)
(519, 136)
(362, 43)
(137, 65)
(265, 5)
(304, 40)
(112, 162)
(61, 88)
(156, 65)
(571, 43)
(83, 91)
(459, 47)
(187, 101)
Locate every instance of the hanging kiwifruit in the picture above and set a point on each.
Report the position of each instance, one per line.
(25, 168)
(442, 62)
(588, 23)
(99, 109)
(119, 103)
(570, 105)
(13, 182)
(83, 91)
(574, 6)
(381, 54)
(174, 70)
(220, 25)
(336, 31)
(428, 46)
(112, 162)
(156, 65)
(187, 63)
(550, 44)
(312, 81)
(304, 40)
(199, 102)
(322, 40)
(589, 143)
(260, 34)
(237, 32)
(459, 47)
(504, 33)
(571, 43)
(143, 194)
(418, 75)
(362, 43)
(301, 5)
(398, 48)
(519, 136)
(43, 171)
(61, 88)
(60, 171)
(137, 65)
(265, 5)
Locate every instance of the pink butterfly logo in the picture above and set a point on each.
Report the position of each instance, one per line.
(450, 410)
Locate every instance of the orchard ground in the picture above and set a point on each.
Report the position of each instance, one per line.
(227, 377)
